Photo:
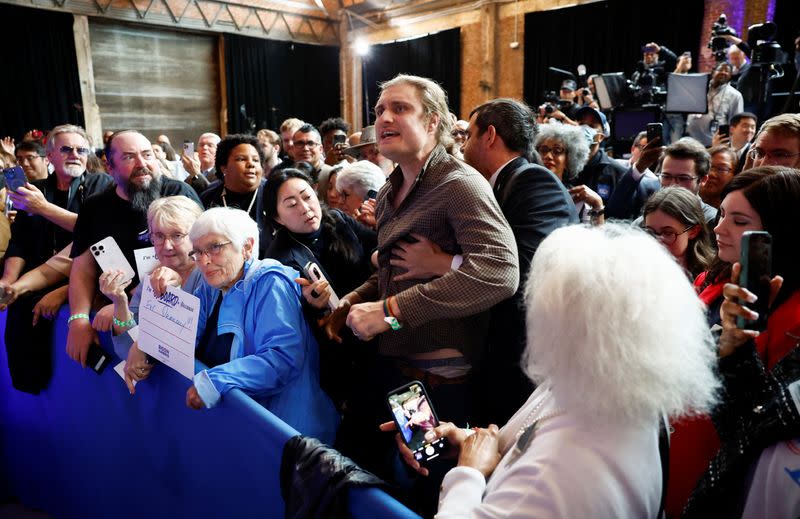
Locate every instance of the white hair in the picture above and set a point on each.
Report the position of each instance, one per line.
(214, 136)
(574, 142)
(615, 326)
(235, 224)
(360, 177)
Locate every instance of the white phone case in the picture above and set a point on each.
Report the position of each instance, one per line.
(316, 274)
(109, 256)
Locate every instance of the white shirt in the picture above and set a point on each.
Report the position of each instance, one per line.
(575, 466)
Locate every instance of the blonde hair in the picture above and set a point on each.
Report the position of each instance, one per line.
(175, 211)
(434, 101)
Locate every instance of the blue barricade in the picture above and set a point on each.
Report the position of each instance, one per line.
(86, 448)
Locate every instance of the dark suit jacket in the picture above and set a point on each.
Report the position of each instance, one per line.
(629, 197)
(535, 203)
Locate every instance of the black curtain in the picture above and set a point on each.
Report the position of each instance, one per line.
(273, 80)
(787, 17)
(437, 57)
(39, 86)
(604, 36)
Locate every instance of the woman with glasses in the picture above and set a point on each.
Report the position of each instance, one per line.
(564, 150)
(251, 333)
(759, 199)
(674, 216)
(340, 247)
(168, 221)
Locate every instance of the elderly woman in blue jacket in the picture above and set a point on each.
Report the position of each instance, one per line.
(251, 332)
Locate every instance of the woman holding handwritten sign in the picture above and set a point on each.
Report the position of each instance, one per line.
(168, 220)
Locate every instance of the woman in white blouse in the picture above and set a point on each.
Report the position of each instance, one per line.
(617, 339)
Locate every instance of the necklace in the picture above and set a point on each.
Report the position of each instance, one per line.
(249, 207)
(528, 430)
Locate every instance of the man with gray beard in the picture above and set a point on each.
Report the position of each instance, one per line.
(46, 213)
(119, 212)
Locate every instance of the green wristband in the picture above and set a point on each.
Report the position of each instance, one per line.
(125, 324)
(73, 317)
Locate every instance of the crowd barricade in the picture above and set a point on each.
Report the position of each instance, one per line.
(86, 448)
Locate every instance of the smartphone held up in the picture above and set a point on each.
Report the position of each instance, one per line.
(755, 276)
(414, 416)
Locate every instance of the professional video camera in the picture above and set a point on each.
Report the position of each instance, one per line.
(553, 102)
(766, 51)
(644, 89)
(718, 43)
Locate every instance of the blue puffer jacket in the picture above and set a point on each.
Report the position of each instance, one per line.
(274, 357)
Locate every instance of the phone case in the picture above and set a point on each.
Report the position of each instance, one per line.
(15, 178)
(109, 256)
(313, 271)
(755, 276)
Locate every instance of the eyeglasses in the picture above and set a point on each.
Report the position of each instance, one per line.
(667, 237)
(458, 133)
(27, 158)
(158, 238)
(758, 154)
(80, 150)
(303, 144)
(678, 179)
(724, 170)
(212, 251)
(544, 150)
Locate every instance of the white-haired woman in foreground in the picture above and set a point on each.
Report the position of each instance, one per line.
(617, 338)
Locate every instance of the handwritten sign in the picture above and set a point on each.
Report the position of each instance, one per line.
(168, 327)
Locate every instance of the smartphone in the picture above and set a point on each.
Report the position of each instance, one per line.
(188, 148)
(9, 206)
(339, 138)
(654, 131)
(756, 273)
(15, 178)
(97, 358)
(371, 195)
(414, 415)
(110, 257)
(724, 130)
(314, 273)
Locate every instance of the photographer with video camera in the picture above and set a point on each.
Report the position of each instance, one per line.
(652, 70)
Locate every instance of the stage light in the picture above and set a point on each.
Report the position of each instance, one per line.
(361, 47)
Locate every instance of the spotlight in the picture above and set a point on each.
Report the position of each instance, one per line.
(361, 47)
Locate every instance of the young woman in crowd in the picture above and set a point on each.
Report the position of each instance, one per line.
(341, 247)
(564, 150)
(674, 217)
(760, 199)
(586, 443)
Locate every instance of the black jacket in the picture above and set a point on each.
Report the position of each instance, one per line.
(535, 203)
(34, 238)
(343, 275)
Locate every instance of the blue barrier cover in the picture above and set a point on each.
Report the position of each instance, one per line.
(86, 448)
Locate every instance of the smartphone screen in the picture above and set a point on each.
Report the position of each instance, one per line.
(414, 416)
(756, 261)
(724, 130)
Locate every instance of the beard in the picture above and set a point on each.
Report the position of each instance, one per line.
(142, 195)
(73, 170)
